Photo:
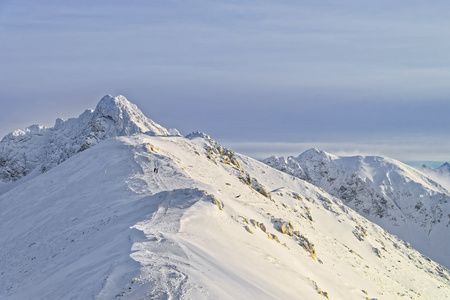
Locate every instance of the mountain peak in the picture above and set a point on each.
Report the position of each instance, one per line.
(315, 153)
(445, 165)
(119, 102)
(115, 108)
(116, 116)
(42, 148)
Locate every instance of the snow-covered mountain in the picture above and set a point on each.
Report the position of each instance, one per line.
(395, 196)
(440, 174)
(210, 224)
(39, 149)
(444, 169)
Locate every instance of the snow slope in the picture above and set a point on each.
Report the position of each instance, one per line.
(211, 224)
(103, 225)
(38, 149)
(395, 196)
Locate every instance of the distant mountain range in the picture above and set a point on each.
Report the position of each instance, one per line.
(396, 196)
(443, 170)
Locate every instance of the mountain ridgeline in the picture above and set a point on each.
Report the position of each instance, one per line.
(111, 205)
(396, 196)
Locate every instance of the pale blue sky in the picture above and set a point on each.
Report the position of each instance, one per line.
(265, 77)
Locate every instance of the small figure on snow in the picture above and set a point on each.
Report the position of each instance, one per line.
(154, 170)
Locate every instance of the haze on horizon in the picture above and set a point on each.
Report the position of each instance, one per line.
(263, 78)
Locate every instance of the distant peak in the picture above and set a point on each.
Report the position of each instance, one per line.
(117, 108)
(109, 101)
(112, 98)
(445, 166)
(127, 118)
(313, 151)
(315, 154)
(106, 98)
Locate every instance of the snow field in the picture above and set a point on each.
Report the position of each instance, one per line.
(103, 225)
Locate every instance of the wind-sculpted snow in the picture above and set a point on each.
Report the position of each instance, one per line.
(389, 193)
(39, 149)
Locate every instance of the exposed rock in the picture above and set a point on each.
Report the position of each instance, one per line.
(150, 147)
(306, 244)
(260, 188)
(319, 290)
(216, 202)
(296, 196)
(286, 228)
(245, 178)
(258, 224)
(216, 152)
(272, 237)
(377, 252)
(359, 232)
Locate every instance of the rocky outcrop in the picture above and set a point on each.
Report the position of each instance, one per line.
(260, 188)
(286, 227)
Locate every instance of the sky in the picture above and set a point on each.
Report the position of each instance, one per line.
(261, 77)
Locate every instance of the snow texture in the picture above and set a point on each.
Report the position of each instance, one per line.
(104, 225)
(397, 197)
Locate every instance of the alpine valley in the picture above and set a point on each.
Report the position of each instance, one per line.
(111, 205)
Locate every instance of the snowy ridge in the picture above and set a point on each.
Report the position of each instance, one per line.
(210, 224)
(106, 226)
(399, 198)
(39, 149)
